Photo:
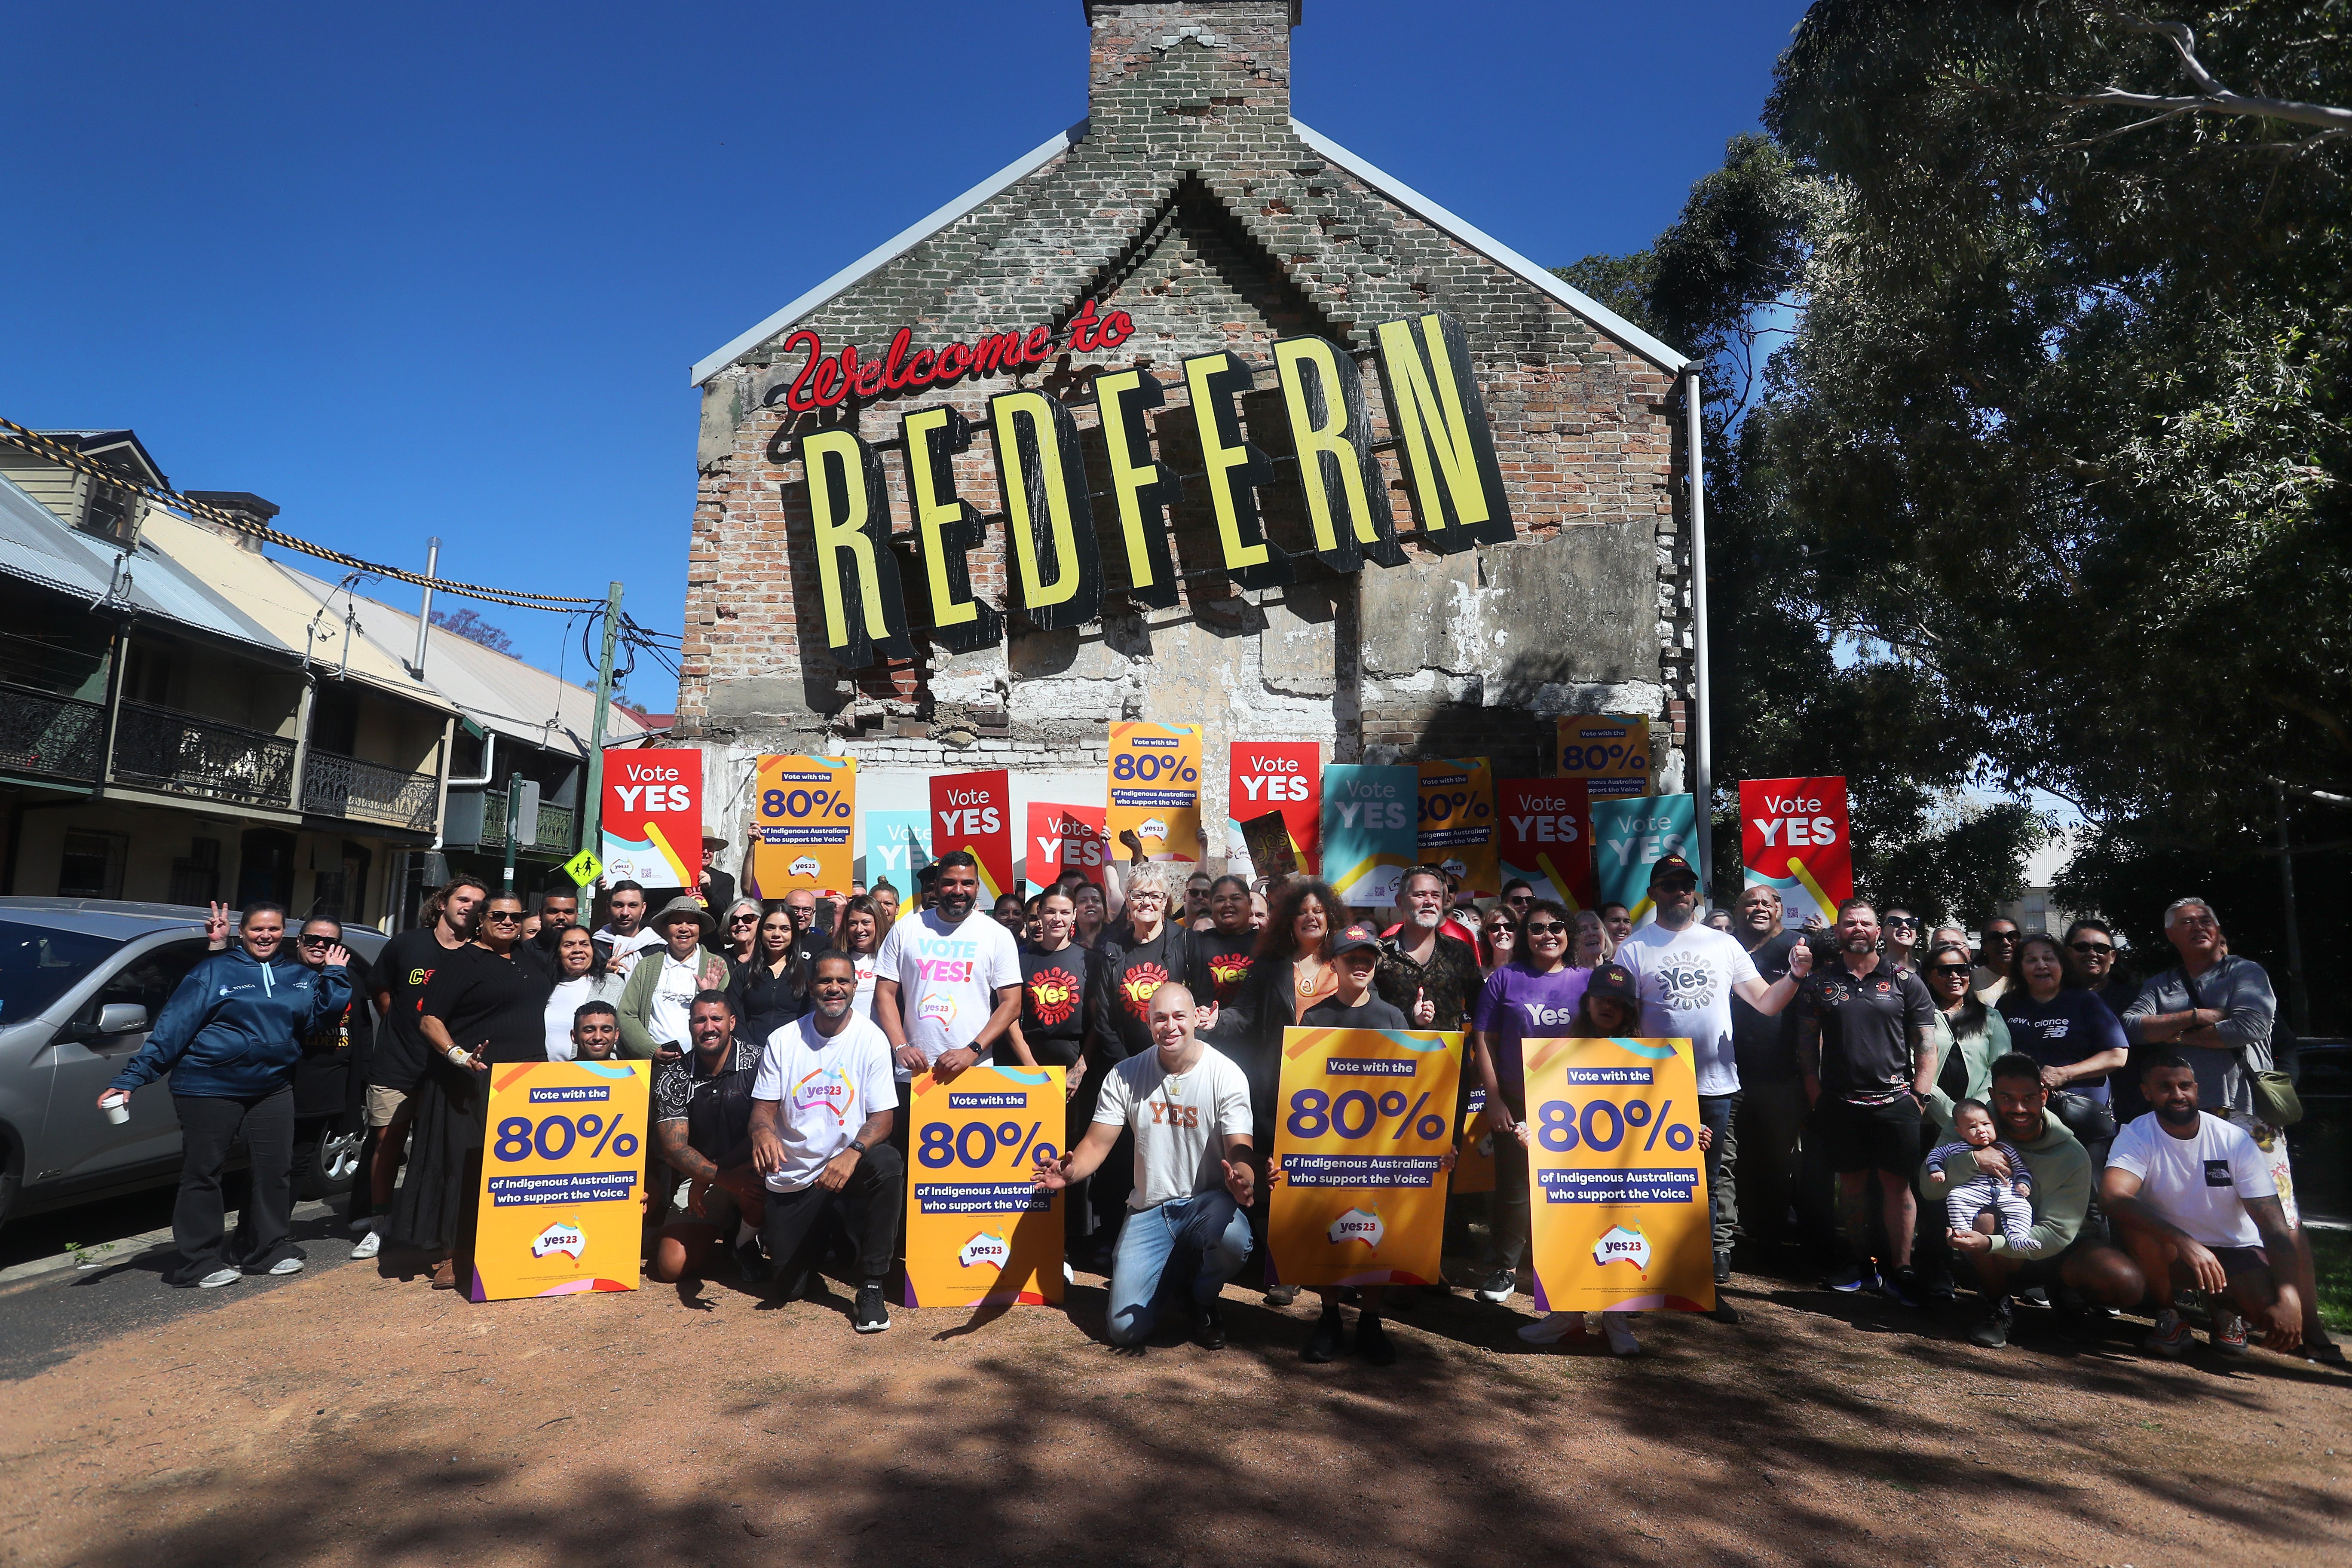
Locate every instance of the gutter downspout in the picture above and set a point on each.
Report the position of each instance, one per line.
(424, 611)
(1701, 738)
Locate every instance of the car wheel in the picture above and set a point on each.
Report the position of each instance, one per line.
(339, 1160)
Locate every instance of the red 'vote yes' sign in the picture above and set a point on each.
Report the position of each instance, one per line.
(1284, 776)
(1795, 839)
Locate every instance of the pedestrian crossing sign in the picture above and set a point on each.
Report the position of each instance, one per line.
(583, 867)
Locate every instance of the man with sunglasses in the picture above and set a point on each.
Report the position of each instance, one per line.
(1687, 975)
(1993, 953)
(2092, 944)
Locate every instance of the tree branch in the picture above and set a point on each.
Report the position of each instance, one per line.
(2212, 97)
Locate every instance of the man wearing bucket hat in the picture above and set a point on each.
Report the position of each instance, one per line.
(1687, 975)
(655, 1003)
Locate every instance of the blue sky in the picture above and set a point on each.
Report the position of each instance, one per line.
(441, 270)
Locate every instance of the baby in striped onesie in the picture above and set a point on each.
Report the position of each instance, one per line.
(2010, 1198)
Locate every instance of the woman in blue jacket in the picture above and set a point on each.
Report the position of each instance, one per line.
(229, 1038)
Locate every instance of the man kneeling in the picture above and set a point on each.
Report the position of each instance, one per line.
(2194, 1199)
(819, 1078)
(1188, 1105)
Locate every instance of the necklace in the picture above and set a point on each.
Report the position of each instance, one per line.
(1308, 979)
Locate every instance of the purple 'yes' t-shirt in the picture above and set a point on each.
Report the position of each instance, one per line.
(1520, 1005)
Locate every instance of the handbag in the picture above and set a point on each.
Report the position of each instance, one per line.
(2276, 1104)
(2090, 1120)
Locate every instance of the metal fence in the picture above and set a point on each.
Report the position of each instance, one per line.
(62, 737)
(337, 785)
(161, 749)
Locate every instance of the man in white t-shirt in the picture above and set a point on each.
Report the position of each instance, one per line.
(946, 984)
(1687, 973)
(2193, 1201)
(1188, 1105)
(821, 1107)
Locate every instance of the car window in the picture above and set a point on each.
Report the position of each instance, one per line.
(149, 979)
(39, 965)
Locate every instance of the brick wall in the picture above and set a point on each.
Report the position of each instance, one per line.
(1191, 203)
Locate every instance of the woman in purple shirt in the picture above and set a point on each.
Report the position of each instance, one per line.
(1534, 999)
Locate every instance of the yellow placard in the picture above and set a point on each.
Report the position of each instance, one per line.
(1155, 790)
(1619, 1186)
(1610, 752)
(1362, 1119)
(563, 1180)
(804, 826)
(1458, 828)
(977, 1231)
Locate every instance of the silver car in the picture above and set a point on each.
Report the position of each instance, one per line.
(81, 980)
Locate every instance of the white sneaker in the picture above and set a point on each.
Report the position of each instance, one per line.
(1069, 1275)
(370, 1243)
(1552, 1328)
(218, 1277)
(287, 1266)
(1621, 1338)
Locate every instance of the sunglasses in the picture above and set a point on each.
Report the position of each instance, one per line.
(1949, 969)
(744, 920)
(1676, 885)
(1901, 920)
(2092, 946)
(503, 917)
(1546, 928)
(308, 940)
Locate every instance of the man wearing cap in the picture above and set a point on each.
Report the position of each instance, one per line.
(655, 1003)
(1687, 973)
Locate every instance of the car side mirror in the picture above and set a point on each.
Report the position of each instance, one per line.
(121, 1018)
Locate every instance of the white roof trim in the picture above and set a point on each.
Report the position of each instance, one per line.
(891, 250)
(1583, 304)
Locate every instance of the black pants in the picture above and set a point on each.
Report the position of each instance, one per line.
(210, 1127)
(793, 1230)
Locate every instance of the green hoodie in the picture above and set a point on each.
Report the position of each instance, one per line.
(2061, 1169)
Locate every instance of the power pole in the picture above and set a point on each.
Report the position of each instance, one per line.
(591, 805)
(2298, 995)
(514, 828)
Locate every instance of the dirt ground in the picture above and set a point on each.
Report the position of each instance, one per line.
(368, 1420)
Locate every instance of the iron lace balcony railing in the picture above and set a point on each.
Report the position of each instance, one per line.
(337, 785)
(58, 737)
(556, 826)
(179, 754)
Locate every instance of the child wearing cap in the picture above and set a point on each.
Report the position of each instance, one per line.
(1356, 955)
(1356, 958)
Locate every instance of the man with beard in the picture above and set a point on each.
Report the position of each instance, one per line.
(1419, 960)
(1865, 1046)
(1688, 974)
(2067, 1247)
(2194, 1199)
(702, 1116)
(820, 1077)
(947, 982)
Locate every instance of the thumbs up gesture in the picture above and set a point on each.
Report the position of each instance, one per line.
(1424, 1011)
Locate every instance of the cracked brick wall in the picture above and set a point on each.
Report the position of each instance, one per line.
(1191, 202)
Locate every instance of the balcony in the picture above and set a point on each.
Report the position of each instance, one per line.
(56, 737)
(178, 753)
(557, 827)
(346, 788)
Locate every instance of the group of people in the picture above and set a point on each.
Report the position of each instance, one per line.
(2093, 1145)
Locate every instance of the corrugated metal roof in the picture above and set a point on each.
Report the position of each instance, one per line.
(496, 690)
(36, 546)
(268, 591)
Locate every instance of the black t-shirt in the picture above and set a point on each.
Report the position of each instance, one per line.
(1123, 987)
(1054, 988)
(404, 966)
(1867, 1026)
(1227, 961)
(480, 996)
(336, 1050)
(1766, 1048)
(1332, 1014)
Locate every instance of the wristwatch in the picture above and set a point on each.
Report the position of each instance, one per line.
(854, 1143)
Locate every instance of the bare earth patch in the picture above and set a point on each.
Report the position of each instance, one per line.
(353, 1419)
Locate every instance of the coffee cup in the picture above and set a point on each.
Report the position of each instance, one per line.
(118, 1110)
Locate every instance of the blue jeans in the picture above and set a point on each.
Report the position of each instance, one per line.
(1209, 1225)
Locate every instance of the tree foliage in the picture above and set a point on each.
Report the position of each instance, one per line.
(2043, 487)
(468, 624)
